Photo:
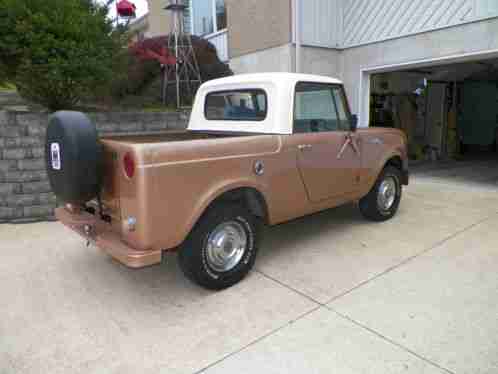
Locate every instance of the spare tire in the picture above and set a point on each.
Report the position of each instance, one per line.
(73, 156)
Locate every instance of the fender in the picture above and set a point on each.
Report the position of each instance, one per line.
(217, 191)
(382, 163)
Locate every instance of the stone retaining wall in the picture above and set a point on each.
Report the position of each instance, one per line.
(25, 194)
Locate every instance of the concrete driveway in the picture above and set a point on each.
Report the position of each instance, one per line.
(331, 293)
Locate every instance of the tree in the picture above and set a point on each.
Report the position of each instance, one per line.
(143, 74)
(57, 52)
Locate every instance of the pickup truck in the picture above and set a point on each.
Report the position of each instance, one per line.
(260, 149)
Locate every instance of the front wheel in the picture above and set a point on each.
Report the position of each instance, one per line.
(222, 247)
(382, 202)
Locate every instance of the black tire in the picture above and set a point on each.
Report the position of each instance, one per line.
(73, 156)
(369, 205)
(193, 257)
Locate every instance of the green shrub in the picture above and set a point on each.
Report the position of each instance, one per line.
(57, 52)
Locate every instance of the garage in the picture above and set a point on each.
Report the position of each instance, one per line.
(449, 113)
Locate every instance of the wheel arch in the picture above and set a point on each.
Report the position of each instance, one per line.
(251, 195)
(395, 159)
(398, 161)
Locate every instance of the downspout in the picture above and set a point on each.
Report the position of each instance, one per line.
(297, 34)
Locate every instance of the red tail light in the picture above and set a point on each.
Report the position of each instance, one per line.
(129, 165)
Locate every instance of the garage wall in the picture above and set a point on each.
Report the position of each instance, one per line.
(415, 50)
(348, 23)
(369, 21)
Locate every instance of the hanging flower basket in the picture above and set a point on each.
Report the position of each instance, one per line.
(126, 9)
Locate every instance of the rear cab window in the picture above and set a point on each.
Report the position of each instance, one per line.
(236, 105)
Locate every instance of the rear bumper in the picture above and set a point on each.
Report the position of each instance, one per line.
(100, 233)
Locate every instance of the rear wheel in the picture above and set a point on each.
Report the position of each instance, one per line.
(222, 247)
(382, 202)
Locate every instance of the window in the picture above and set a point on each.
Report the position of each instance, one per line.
(209, 16)
(237, 105)
(221, 15)
(203, 17)
(320, 107)
(187, 16)
(342, 109)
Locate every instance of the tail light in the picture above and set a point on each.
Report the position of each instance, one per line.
(129, 165)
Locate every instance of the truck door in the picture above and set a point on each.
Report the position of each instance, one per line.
(328, 154)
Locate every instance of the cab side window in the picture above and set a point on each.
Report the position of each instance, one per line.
(320, 108)
(342, 108)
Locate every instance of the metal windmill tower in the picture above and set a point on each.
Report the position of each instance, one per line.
(185, 73)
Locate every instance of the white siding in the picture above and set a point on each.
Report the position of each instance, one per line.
(486, 8)
(220, 41)
(367, 21)
(347, 23)
(324, 30)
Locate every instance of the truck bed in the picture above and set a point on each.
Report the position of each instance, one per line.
(173, 136)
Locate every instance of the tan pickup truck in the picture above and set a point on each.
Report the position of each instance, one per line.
(259, 150)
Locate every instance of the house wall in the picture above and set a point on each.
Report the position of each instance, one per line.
(443, 44)
(321, 61)
(321, 22)
(139, 29)
(278, 59)
(365, 22)
(347, 23)
(255, 25)
(160, 20)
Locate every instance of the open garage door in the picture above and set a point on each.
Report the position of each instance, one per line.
(448, 112)
(445, 111)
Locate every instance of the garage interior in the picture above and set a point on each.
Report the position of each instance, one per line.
(448, 112)
(445, 111)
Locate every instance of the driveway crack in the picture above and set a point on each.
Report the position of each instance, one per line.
(255, 341)
(295, 290)
(391, 341)
(411, 258)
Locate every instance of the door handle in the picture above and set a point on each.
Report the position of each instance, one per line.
(304, 147)
(349, 141)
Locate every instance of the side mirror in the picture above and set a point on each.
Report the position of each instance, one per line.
(354, 122)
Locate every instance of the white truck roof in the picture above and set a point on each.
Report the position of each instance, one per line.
(279, 88)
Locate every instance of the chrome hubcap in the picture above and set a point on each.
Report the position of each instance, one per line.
(387, 194)
(226, 246)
